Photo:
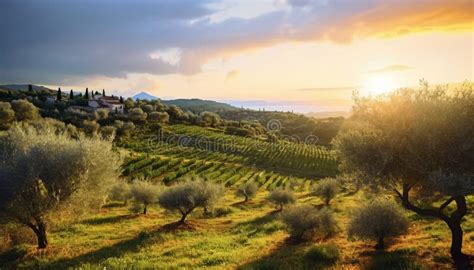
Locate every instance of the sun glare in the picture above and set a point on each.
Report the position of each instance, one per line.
(377, 85)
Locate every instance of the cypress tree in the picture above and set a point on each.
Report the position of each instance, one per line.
(59, 95)
(121, 99)
(30, 88)
(92, 92)
(103, 92)
(86, 95)
(71, 95)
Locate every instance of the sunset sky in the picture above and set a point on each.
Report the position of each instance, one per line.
(302, 55)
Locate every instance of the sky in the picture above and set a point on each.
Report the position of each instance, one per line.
(301, 55)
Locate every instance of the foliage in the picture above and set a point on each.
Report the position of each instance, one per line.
(90, 127)
(326, 189)
(185, 197)
(108, 132)
(7, 115)
(378, 220)
(159, 117)
(305, 220)
(145, 193)
(209, 119)
(281, 197)
(137, 115)
(24, 110)
(419, 140)
(43, 169)
(120, 191)
(247, 190)
(124, 129)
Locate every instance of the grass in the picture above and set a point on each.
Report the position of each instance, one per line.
(247, 236)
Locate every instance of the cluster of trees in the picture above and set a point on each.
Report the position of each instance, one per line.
(416, 142)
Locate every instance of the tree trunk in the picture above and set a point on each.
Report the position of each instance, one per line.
(145, 208)
(380, 244)
(42, 236)
(125, 202)
(246, 198)
(281, 207)
(460, 259)
(183, 218)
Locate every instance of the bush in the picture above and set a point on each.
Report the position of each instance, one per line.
(209, 119)
(247, 190)
(281, 197)
(7, 115)
(145, 193)
(108, 132)
(102, 114)
(90, 127)
(24, 110)
(124, 129)
(376, 221)
(326, 189)
(187, 196)
(305, 220)
(137, 115)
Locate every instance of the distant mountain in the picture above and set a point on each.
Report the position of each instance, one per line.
(329, 114)
(23, 87)
(144, 96)
(200, 105)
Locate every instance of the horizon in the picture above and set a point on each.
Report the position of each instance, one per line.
(288, 55)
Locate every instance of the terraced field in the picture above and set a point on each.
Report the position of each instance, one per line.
(189, 152)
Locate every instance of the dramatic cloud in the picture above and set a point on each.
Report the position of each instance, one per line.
(53, 41)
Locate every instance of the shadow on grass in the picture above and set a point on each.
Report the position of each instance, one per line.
(263, 224)
(291, 256)
(10, 257)
(402, 259)
(105, 220)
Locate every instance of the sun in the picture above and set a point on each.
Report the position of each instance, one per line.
(377, 85)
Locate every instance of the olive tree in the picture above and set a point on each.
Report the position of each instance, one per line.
(145, 193)
(281, 197)
(416, 141)
(90, 127)
(44, 170)
(187, 196)
(209, 119)
(376, 221)
(326, 189)
(305, 220)
(247, 190)
(24, 110)
(159, 117)
(137, 115)
(120, 191)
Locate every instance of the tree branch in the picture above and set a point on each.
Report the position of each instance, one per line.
(445, 204)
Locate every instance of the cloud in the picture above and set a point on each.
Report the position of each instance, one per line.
(232, 75)
(51, 41)
(392, 68)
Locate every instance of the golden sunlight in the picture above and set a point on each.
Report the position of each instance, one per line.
(379, 84)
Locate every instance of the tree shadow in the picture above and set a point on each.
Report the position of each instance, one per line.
(392, 260)
(96, 256)
(11, 257)
(258, 225)
(105, 220)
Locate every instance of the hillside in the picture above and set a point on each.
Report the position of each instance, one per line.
(24, 87)
(199, 105)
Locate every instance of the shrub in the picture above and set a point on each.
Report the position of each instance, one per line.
(326, 189)
(124, 129)
(306, 220)
(43, 170)
(7, 115)
(209, 119)
(247, 190)
(24, 110)
(108, 132)
(90, 127)
(376, 221)
(187, 196)
(102, 114)
(145, 193)
(281, 197)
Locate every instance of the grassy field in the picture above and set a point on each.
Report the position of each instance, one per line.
(241, 236)
(238, 235)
